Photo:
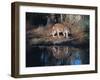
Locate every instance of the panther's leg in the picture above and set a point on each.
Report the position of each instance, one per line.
(66, 33)
(58, 33)
(53, 33)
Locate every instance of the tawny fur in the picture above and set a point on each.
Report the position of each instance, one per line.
(60, 28)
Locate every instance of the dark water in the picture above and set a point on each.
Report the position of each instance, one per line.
(56, 55)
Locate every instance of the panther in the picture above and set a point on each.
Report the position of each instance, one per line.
(59, 30)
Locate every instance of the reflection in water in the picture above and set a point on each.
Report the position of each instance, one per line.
(56, 55)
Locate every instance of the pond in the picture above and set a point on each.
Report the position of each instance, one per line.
(56, 56)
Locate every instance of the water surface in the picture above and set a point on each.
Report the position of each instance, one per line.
(56, 55)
